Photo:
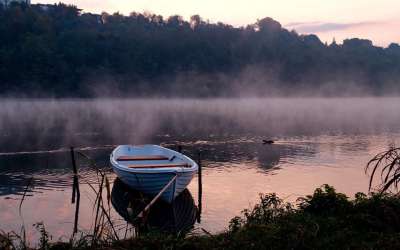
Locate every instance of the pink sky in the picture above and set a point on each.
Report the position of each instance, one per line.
(377, 20)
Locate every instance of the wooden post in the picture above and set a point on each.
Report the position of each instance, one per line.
(75, 190)
(75, 170)
(200, 188)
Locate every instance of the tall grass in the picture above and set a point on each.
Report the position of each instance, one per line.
(388, 164)
(104, 230)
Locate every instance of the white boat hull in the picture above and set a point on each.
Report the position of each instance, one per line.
(152, 180)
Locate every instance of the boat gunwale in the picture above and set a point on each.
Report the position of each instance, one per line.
(194, 167)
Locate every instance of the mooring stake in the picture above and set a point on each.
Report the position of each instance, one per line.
(200, 187)
(75, 190)
(73, 178)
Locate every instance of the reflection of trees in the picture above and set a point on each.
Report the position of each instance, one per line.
(48, 170)
(269, 156)
(355, 145)
(220, 153)
(179, 216)
(16, 183)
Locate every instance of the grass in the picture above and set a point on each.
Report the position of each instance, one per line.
(388, 164)
(324, 220)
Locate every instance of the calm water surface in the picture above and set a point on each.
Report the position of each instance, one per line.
(317, 141)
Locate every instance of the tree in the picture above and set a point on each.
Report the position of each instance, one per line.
(58, 49)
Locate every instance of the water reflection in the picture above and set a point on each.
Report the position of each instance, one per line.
(270, 156)
(179, 216)
(53, 169)
(236, 170)
(223, 153)
(46, 170)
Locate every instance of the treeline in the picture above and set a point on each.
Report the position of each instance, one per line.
(59, 50)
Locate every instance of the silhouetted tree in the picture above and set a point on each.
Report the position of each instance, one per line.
(58, 50)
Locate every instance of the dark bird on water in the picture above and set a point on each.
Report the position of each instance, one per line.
(268, 142)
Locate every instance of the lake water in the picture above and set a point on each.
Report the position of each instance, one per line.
(317, 141)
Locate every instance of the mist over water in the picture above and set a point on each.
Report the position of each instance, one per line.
(317, 141)
(50, 124)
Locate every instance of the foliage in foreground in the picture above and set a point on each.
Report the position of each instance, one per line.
(324, 220)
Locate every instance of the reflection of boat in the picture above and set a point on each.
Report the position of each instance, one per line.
(178, 216)
(151, 168)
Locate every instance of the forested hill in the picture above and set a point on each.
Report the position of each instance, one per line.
(57, 50)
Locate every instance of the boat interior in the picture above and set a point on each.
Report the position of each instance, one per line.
(157, 161)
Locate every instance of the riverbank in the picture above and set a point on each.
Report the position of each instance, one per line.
(323, 220)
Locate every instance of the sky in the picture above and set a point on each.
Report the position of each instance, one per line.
(377, 20)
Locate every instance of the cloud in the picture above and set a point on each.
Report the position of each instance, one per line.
(320, 27)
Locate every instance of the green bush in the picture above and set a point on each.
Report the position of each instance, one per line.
(324, 220)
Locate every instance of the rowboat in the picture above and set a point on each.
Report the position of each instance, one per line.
(153, 169)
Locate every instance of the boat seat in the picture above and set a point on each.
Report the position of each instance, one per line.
(166, 165)
(142, 158)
